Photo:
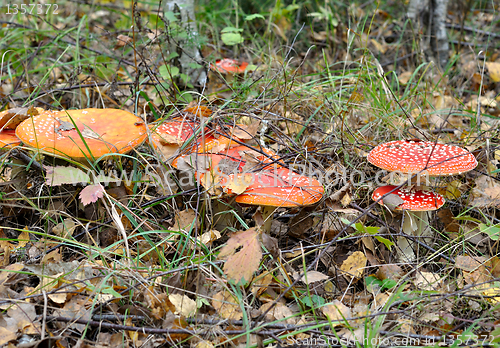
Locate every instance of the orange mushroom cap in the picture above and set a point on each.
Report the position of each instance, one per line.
(8, 139)
(414, 200)
(101, 131)
(228, 65)
(173, 132)
(413, 156)
(278, 188)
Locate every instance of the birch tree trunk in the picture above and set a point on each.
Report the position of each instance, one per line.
(429, 16)
(187, 47)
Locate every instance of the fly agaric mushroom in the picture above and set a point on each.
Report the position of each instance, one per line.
(170, 135)
(421, 157)
(418, 202)
(228, 65)
(8, 139)
(100, 132)
(415, 156)
(274, 189)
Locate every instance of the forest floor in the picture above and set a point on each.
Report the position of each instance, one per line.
(170, 254)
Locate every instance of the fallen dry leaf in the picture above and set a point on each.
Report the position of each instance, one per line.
(226, 305)
(9, 271)
(239, 183)
(354, 265)
(210, 236)
(56, 176)
(10, 119)
(245, 132)
(474, 268)
(493, 70)
(243, 253)
(261, 283)
(428, 281)
(184, 220)
(91, 193)
(486, 192)
(405, 77)
(279, 312)
(183, 305)
(122, 40)
(336, 311)
(6, 335)
(313, 276)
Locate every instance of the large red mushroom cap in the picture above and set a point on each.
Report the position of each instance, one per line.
(413, 200)
(277, 188)
(413, 156)
(100, 131)
(228, 65)
(8, 139)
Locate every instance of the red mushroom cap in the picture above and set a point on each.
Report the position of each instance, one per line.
(413, 156)
(228, 65)
(414, 200)
(103, 131)
(173, 132)
(8, 139)
(278, 188)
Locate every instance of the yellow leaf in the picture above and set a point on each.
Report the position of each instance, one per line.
(227, 305)
(494, 71)
(24, 238)
(183, 305)
(239, 183)
(6, 336)
(354, 265)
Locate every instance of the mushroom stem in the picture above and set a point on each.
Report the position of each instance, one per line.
(267, 216)
(409, 227)
(416, 223)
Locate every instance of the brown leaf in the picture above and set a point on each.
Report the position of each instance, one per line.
(243, 254)
(313, 276)
(486, 192)
(9, 119)
(9, 271)
(428, 281)
(122, 40)
(184, 220)
(261, 283)
(245, 132)
(405, 77)
(474, 270)
(354, 265)
(279, 312)
(7, 335)
(336, 311)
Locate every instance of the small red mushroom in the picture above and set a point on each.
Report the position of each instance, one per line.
(228, 65)
(415, 204)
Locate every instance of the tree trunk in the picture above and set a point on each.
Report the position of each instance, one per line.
(187, 47)
(429, 16)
